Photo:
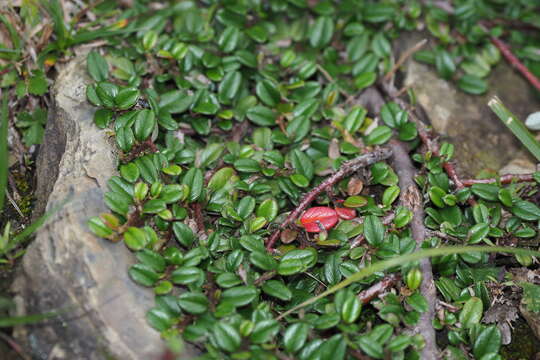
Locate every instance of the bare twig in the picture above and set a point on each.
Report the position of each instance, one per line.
(407, 54)
(330, 79)
(411, 197)
(504, 179)
(346, 169)
(515, 62)
(365, 296)
(15, 346)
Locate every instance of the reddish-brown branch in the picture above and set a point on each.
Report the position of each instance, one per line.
(365, 296)
(198, 216)
(346, 169)
(15, 346)
(411, 197)
(515, 62)
(504, 179)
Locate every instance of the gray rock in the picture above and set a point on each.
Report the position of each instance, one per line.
(67, 268)
(482, 141)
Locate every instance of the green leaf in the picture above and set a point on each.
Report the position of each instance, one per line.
(135, 238)
(472, 84)
(195, 181)
(220, 178)
(302, 164)
(227, 280)
(97, 66)
(365, 79)
(379, 135)
(321, 32)
(264, 331)
(239, 295)
(268, 209)
(183, 234)
(261, 115)
(263, 260)
(175, 102)
(277, 289)
(37, 84)
(350, 309)
(187, 275)
(403, 216)
(418, 302)
(126, 98)
(229, 39)
(370, 347)
(268, 92)
(152, 259)
(295, 337)
(297, 261)
(144, 124)
(143, 275)
(159, 319)
(436, 195)
(130, 172)
(193, 302)
(488, 341)
(526, 210)
(355, 119)
(374, 230)
(444, 63)
(106, 92)
(245, 207)
(478, 233)
(355, 201)
(247, 165)
(471, 313)
(390, 195)
(229, 86)
(488, 192)
(226, 336)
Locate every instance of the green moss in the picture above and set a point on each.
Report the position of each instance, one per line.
(524, 345)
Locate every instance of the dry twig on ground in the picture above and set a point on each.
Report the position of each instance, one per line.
(411, 197)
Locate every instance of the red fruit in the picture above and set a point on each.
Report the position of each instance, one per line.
(346, 213)
(325, 216)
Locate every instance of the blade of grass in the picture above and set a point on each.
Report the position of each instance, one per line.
(3, 148)
(404, 259)
(27, 319)
(516, 126)
(30, 229)
(54, 9)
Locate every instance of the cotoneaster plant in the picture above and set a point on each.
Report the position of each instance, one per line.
(266, 207)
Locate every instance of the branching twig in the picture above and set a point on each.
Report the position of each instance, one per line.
(504, 179)
(515, 62)
(411, 197)
(365, 296)
(346, 169)
(407, 54)
(16, 347)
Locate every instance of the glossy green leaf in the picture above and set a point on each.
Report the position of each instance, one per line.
(321, 32)
(373, 230)
(97, 66)
(471, 312)
(295, 337)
